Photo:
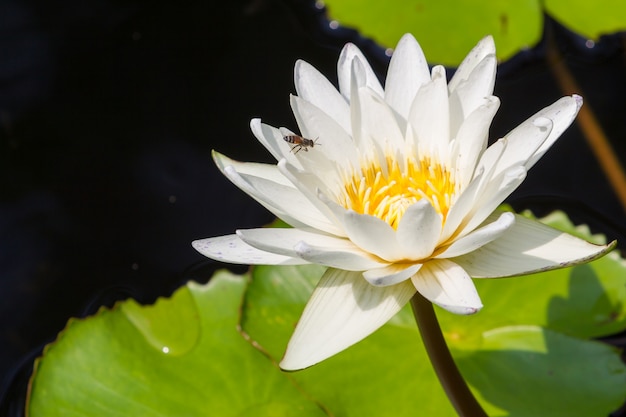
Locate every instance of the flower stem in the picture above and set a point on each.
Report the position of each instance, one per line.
(449, 376)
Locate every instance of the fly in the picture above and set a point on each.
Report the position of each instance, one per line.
(300, 143)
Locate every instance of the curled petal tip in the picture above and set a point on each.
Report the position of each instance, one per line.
(255, 122)
(288, 366)
(463, 310)
(472, 310)
(579, 100)
(489, 43)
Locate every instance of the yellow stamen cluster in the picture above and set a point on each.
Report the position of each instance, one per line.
(386, 192)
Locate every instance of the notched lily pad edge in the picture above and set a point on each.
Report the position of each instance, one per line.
(73, 321)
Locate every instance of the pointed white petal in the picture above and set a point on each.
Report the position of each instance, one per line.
(473, 196)
(263, 199)
(446, 284)
(343, 309)
(480, 236)
(378, 121)
(472, 139)
(463, 205)
(284, 201)
(281, 240)
(485, 47)
(528, 247)
(272, 139)
(489, 159)
(349, 54)
(492, 195)
(523, 142)
(528, 142)
(348, 256)
(313, 247)
(310, 185)
(233, 250)
(334, 147)
(408, 70)
(315, 88)
(483, 193)
(429, 117)
(268, 171)
(391, 275)
(562, 113)
(471, 93)
(372, 234)
(419, 230)
(362, 139)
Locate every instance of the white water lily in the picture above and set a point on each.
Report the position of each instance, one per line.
(398, 194)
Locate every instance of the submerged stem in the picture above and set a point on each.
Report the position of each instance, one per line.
(451, 380)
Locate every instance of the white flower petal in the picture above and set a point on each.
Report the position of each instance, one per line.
(315, 88)
(378, 122)
(348, 256)
(493, 195)
(528, 247)
(334, 148)
(343, 309)
(429, 117)
(268, 171)
(562, 113)
(471, 139)
(362, 139)
(345, 68)
(233, 250)
(446, 284)
(272, 139)
(281, 241)
(471, 93)
(408, 70)
(419, 230)
(309, 185)
(489, 158)
(391, 275)
(523, 142)
(463, 205)
(372, 235)
(284, 201)
(480, 236)
(485, 47)
(321, 249)
(263, 198)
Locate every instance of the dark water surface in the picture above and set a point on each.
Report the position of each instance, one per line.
(109, 111)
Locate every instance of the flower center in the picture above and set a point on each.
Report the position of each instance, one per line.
(387, 190)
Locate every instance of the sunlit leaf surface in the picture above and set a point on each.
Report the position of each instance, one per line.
(589, 18)
(106, 366)
(447, 30)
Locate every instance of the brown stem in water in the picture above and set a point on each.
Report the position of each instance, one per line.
(592, 131)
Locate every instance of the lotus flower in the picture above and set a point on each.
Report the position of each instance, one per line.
(395, 191)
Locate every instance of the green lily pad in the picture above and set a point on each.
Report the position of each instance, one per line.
(591, 19)
(114, 364)
(448, 30)
(532, 371)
